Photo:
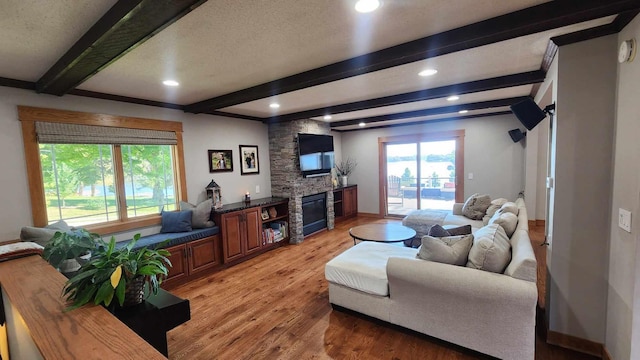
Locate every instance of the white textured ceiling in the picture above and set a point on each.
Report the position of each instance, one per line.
(225, 46)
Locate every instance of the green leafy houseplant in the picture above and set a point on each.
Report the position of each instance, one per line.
(110, 271)
(69, 246)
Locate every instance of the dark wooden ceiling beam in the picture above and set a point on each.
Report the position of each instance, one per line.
(608, 29)
(126, 25)
(423, 122)
(525, 78)
(433, 111)
(528, 21)
(19, 84)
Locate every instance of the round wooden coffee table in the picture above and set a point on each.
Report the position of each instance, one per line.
(388, 233)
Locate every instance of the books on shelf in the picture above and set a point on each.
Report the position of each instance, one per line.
(274, 232)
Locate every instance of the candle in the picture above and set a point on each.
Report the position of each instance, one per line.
(247, 197)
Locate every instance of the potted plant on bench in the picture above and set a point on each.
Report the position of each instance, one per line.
(118, 274)
(68, 250)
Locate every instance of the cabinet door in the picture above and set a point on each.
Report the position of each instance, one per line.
(232, 231)
(203, 254)
(253, 230)
(178, 260)
(350, 201)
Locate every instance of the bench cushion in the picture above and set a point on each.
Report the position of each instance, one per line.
(175, 238)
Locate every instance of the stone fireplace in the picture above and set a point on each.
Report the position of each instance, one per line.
(286, 177)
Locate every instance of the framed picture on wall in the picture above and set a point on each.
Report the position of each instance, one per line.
(249, 160)
(220, 161)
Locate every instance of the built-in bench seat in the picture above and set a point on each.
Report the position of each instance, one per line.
(151, 241)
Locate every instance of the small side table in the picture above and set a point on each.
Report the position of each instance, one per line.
(154, 317)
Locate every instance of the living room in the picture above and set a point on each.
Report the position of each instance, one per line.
(593, 264)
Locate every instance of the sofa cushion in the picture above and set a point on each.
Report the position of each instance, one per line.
(476, 206)
(41, 236)
(496, 204)
(510, 207)
(176, 221)
(449, 249)
(491, 250)
(201, 213)
(364, 266)
(507, 220)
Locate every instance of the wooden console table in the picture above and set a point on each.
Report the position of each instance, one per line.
(33, 288)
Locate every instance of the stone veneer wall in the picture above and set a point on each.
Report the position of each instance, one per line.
(286, 177)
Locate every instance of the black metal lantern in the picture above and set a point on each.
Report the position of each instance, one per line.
(213, 192)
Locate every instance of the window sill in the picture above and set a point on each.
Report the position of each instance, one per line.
(120, 226)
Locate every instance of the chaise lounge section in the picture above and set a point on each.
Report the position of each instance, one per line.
(493, 313)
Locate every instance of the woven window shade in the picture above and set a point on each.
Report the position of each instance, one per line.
(62, 133)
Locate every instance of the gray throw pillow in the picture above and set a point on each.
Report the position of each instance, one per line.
(41, 236)
(458, 230)
(491, 250)
(201, 213)
(440, 231)
(476, 206)
(176, 221)
(448, 250)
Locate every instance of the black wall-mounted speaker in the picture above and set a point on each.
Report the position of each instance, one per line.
(517, 135)
(528, 112)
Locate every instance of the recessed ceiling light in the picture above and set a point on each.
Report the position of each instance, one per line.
(362, 124)
(274, 105)
(463, 111)
(327, 117)
(453, 98)
(366, 6)
(428, 72)
(171, 83)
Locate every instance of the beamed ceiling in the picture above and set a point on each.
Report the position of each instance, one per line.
(314, 57)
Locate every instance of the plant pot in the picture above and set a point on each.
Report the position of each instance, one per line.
(69, 266)
(134, 291)
(344, 180)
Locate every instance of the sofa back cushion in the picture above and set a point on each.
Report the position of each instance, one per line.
(491, 250)
(507, 220)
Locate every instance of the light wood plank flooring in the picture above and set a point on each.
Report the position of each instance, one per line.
(276, 306)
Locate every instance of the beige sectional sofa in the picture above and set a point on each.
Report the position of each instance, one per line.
(493, 313)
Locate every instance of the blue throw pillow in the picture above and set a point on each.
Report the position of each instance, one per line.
(176, 221)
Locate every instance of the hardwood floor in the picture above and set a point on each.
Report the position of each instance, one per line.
(276, 306)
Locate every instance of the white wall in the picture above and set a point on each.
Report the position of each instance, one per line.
(623, 307)
(200, 133)
(490, 154)
(583, 166)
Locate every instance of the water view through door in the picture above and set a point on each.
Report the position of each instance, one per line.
(420, 175)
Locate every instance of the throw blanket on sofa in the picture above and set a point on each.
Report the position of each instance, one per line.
(422, 220)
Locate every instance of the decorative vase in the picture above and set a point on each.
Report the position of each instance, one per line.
(273, 212)
(134, 291)
(344, 180)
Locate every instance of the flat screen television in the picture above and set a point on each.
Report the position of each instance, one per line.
(316, 154)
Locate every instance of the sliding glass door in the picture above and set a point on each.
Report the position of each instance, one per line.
(421, 172)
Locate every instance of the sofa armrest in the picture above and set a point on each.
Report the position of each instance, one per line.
(457, 209)
(456, 304)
